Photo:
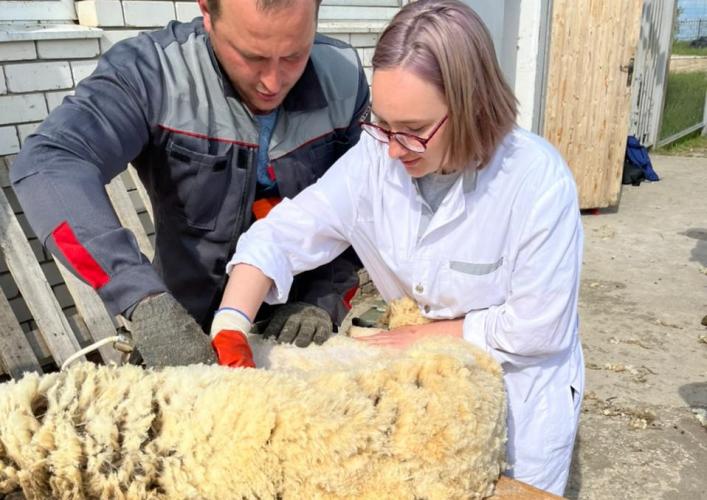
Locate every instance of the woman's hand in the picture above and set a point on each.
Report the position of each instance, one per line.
(406, 335)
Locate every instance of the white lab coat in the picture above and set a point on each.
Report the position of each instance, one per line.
(503, 251)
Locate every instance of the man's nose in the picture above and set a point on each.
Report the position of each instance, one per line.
(271, 79)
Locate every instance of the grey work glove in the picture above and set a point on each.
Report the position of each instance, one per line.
(166, 335)
(300, 323)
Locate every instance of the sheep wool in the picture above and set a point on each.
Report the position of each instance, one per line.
(342, 420)
(404, 312)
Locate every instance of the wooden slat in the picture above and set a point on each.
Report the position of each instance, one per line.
(34, 287)
(15, 352)
(142, 192)
(94, 314)
(587, 103)
(124, 208)
(651, 70)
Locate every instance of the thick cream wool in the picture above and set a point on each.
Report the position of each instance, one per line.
(342, 420)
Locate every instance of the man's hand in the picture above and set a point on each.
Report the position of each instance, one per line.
(166, 335)
(300, 323)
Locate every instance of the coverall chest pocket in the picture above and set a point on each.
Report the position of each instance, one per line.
(200, 183)
(325, 153)
(475, 283)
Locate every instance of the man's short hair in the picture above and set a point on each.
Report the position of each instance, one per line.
(215, 5)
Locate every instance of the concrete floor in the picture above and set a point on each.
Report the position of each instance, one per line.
(644, 294)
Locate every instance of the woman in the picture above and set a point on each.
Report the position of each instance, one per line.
(445, 201)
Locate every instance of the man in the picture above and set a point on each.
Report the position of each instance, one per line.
(221, 117)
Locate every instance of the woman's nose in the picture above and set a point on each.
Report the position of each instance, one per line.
(395, 150)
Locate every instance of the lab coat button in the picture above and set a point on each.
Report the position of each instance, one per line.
(427, 308)
(419, 288)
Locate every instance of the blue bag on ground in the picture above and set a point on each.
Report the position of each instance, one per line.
(637, 164)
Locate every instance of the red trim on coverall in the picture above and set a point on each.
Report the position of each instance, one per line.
(80, 259)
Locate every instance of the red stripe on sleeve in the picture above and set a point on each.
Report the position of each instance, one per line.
(348, 297)
(76, 254)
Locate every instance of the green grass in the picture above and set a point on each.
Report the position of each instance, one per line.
(684, 49)
(692, 145)
(684, 102)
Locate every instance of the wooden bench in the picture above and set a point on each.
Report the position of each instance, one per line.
(55, 339)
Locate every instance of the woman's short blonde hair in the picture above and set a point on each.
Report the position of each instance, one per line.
(445, 43)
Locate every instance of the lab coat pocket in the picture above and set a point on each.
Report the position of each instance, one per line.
(475, 283)
(541, 435)
(563, 407)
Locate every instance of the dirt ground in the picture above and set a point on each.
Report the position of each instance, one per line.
(687, 64)
(643, 431)
(643, 297)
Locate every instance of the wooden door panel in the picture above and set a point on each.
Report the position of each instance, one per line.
(588, 93)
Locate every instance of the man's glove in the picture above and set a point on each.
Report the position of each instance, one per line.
(166, 335)
(300, 323)
(229, 340)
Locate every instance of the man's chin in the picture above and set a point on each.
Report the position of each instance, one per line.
(259, 105)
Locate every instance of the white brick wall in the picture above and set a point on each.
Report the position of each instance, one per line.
(186, 11)
(82, 69)
(25, 130)
(23, 108)
(3, 87)
(142, 13)
(17, 51)
(9, 143)
(60, 49)
(111, 37)
(55, 98)
(366, 56)
(100, 13)
(29, 77)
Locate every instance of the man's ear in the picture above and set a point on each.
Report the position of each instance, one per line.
(204, 8)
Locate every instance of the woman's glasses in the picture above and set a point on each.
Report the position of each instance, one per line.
(408, 141)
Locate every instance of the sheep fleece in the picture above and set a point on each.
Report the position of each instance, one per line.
(342, 420)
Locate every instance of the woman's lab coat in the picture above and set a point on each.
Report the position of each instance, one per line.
(503, 251)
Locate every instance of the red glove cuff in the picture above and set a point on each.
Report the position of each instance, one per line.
(232, 349)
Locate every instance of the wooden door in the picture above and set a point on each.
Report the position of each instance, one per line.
(589, 90)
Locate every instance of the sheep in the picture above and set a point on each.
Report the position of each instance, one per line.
(341, 420)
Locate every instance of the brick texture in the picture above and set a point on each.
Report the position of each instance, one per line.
(147, 14)
(29, 77)
(82, 69)
(55, 98)
(17, 51)
(100, 13)
(62, 49)
(186, 11)
(9, 142)
(25, 130)
(22, 108)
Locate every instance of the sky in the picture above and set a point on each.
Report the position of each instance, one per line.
(693, 9)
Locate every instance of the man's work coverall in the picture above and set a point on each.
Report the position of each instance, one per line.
(162, 102)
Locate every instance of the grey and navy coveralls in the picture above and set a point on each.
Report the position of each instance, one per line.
(161, 102)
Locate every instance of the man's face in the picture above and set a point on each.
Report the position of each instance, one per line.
(263, 52)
